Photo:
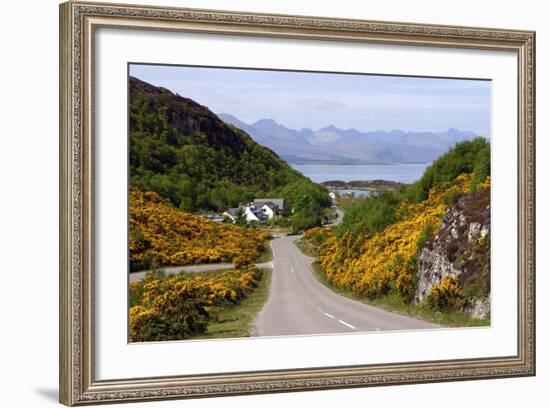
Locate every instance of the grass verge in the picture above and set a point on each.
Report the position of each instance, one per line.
(237, 320)
(306, 249)
(393, 302)
(267, 253)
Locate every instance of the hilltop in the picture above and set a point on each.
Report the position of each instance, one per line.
(188, 155)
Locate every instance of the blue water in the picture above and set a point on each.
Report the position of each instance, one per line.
(356, 193)
(404, 173)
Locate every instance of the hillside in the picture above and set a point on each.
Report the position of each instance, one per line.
(161, 235)
(182, 151)
(428, 243)
(333, 145)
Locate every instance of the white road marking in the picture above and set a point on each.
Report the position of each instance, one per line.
(377, 329)
(328, 315)
(347, 324)
(293, 274)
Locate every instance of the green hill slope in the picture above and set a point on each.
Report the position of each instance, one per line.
(184, 152)
(422, 249)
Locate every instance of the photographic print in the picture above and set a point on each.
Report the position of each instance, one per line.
(224, 222)
(280, 203)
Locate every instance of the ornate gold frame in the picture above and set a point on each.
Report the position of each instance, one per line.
(78, 22)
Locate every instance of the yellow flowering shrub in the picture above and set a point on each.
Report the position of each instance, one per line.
(372, 265)
(446, 295)
(161, 236)
(178, 307)
(314, 238)
(317, 235)
(485, 184)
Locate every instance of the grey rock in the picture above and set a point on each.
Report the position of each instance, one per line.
(461, 249)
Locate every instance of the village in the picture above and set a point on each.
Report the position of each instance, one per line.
(259, 211)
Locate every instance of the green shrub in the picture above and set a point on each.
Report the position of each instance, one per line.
(426, 235)
(369, 215)
(471, 156)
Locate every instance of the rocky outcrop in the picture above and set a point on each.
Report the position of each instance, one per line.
(461, 249)
(478, 308)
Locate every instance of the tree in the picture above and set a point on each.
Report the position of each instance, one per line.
(240, 218)
(184, 152)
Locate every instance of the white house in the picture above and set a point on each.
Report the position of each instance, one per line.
(259, 210)
(251, 214)
(270, 207)
(268, 211)
(278, 202)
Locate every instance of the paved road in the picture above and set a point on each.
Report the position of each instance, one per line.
(340, 217)
(300, 304)
(174, 270)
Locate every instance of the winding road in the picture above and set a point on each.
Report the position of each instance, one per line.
(299, 304)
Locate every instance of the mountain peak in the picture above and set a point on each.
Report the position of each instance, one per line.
(329, 128)
(266, 123)
(334, 144)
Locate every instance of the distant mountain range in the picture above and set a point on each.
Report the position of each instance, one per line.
(339, 146)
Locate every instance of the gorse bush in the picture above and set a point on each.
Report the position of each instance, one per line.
(179, 307)
(161, 236)
(374, 213)
(446, 295)
(373, 264)
(468, 157)
(427, 232)
(314, 239)
(317, 236)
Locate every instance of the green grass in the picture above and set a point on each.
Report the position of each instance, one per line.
(267, 253)
(306, 249)
(238, 320)
(394, 302)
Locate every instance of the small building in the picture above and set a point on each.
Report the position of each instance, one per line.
(213, 217)
(279, 202)
(253, 213)
(260, 210)
(271, 207)
(231, 213)
(271, 210)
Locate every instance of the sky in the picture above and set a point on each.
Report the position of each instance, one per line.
(316, 100)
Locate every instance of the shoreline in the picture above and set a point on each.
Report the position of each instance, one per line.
(363, 185)
(356, 164)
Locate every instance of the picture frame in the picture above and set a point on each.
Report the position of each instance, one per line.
(79, 24)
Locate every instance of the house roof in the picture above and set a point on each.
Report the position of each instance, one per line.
(274, 207)
(279, 202)
(232, 211)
